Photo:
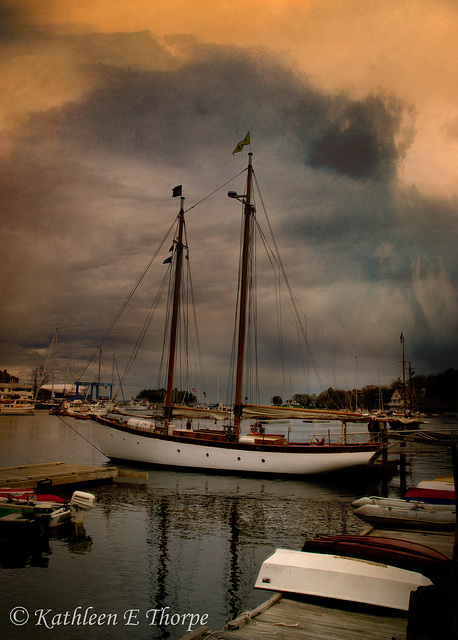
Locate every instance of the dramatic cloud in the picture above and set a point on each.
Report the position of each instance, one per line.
(98, 124)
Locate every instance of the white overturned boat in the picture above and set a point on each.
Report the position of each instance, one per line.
(339, 578)
(400, 503)
(416, 516)
(437, 485)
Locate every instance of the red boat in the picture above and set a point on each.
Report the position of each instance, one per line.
(30, 495)
(397, 553)
(433, 496)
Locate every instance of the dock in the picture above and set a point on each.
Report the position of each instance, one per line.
(283, 618)
(53, 474)
(286, 617)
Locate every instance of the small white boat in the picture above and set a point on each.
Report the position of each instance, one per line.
(400, 503)
(339, 578)
(418, 517)
(51, 512)
(440, 485)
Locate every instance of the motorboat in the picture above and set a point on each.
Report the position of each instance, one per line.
(52, 512)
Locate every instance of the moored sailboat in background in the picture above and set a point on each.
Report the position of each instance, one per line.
(157, 440)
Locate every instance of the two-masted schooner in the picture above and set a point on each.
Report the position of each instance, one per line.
(161, 442)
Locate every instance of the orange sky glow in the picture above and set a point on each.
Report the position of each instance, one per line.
(407, 49)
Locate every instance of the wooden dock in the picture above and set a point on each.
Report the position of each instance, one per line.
(53, 474)
(283, 618)
(288, 618)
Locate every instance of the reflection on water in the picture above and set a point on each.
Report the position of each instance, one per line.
(36, 549)
(189, 542)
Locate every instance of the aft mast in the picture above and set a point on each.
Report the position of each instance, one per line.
(175, 309)
(248, 212)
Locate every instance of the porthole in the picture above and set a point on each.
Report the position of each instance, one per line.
(178, 451)
(239, 458)
(208, 455)
(262, 460)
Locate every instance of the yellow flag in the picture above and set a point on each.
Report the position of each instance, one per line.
(239, 147)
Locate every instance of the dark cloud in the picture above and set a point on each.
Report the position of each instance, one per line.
(359, 138)
(85, 199)
(13, 21)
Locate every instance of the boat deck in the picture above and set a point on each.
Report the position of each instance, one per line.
(53, 473)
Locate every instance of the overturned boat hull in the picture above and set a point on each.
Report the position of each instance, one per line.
(395, 552)
(339, 578)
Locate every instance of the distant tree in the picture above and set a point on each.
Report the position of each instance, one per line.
(37, 378)
(276, 401)
(157, 396)
(305, 400)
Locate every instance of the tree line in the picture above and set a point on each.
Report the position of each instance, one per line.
(442, 387)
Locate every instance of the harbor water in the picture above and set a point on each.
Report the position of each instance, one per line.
(159, 557)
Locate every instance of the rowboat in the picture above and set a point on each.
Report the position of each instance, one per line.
(395, 552)
(339, 578)
(433, 496)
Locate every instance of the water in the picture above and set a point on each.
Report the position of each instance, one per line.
(188, 545)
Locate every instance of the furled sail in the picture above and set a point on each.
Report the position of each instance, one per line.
(252, 411)
(199, 412)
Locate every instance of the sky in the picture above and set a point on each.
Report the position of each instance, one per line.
(353, 115)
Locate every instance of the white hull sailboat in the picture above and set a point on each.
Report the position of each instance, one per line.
(185, 450)
(160, 441)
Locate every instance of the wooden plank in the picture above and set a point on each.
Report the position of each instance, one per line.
(290, 619)
(246, 617)
(61, 473)
(29, 466)
(198, 634)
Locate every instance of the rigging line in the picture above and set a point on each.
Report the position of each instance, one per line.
(293, 299)
(293, 304)
(120, 388)
(196, 329)
(81, 436)
(144, 329)
(166, 326)
(215, 191)
(126, 302)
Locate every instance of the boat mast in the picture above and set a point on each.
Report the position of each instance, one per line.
(403, 376)
(175, 310)
(248, 211)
